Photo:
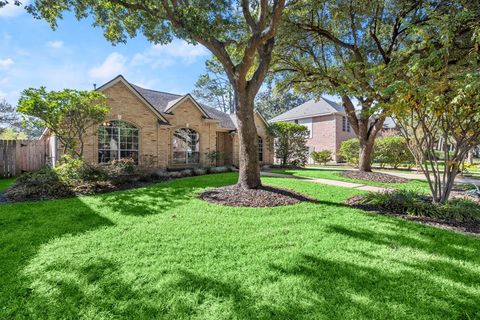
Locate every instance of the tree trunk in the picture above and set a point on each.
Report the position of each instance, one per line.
(249, 166)
(365, 156)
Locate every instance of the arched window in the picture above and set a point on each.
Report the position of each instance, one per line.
(117, 140)
(186, 146)
(260, 149)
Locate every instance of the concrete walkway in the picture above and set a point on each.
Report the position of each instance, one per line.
(328, 182)
(407, 175)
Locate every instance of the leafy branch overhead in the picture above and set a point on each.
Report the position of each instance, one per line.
(240, 34)
(346, 48)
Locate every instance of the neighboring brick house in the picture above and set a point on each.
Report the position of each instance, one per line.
(164, 130)
(327, 122)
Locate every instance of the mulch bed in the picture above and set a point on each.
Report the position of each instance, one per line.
(264, 196)
(373, 176)
(470, 226)
(13, 195)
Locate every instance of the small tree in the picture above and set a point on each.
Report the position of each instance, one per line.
(437, 97)
(290, 142)
(67, 113)
(322, 156)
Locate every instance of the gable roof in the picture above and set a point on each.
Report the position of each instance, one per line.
(172, 104)
(164, 102)
(309, 109)
(132, 88)
(158, 99)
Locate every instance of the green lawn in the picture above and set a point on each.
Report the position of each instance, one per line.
(161, 253)
(5, 183)
(415, 185)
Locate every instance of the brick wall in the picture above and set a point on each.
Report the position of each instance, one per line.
(327, 134)
(155, 143)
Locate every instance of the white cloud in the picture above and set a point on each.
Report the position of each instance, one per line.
(166, 55)
(11, 10)
(181, 49)
(57, 44)
(113, 65)
(6, 63)
(4, 80)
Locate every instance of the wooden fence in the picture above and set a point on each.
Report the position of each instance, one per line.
(19, 156)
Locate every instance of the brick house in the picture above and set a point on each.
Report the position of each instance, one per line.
(327, 122)
(164, 130)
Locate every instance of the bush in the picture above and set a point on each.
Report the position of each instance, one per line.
(121, 166)
(392, 150)
(350, 150)
(215, 156)
(74, 170)
(218, 169)
(199, 171)
(413, 203)
(322, 156)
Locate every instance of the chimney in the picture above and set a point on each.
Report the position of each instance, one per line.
(94, 86)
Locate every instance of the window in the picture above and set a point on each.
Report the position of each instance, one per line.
(117, 140)
(345, 124)
(186, 146)
(296, 121)
(260, 149)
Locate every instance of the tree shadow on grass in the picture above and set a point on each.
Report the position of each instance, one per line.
(340, 289)
(243, 304)
(25, 227)
(430, 240)
(98, 288)
(162, 197)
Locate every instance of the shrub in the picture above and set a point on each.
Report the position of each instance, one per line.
(187, 172)
(392, 150)
(413, 203)
(350, 150)
(218, 169)
(322, 156)
(74, 170)
(199, 171)
(123, 166)
(214, 157)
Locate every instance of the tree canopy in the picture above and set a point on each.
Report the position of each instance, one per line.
(240, 34)
(345, 48)
(67, 113)
(436, 97)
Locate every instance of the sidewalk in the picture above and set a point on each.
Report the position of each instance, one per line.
(407, 175)
(328, 182)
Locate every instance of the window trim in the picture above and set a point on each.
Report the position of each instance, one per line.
(260, 148)
(119, 150)
(174, 161)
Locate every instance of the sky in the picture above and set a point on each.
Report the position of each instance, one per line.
(76, 55)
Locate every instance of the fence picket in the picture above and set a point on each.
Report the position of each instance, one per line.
(19, 156)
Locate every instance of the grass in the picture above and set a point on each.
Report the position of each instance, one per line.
(413, 185)
(161, 253)
(5, 183)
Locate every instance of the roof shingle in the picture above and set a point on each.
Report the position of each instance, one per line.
(309, 109)
(161, 101)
